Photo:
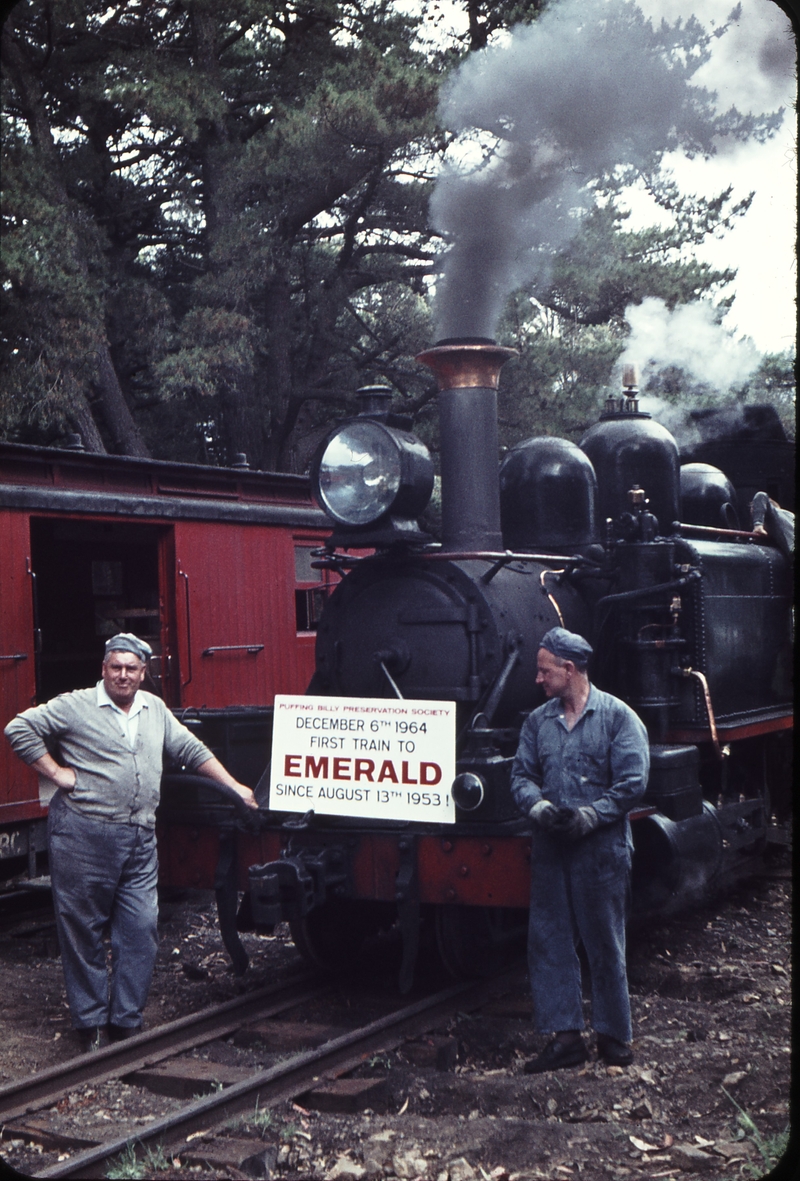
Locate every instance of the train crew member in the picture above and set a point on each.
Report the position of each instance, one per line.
(111, 740)
(582, 763)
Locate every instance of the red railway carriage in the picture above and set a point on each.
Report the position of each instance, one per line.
(212, 566)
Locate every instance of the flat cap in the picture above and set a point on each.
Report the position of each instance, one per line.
(566, 645)
(128, 642)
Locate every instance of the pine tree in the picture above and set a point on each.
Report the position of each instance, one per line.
(203, 203)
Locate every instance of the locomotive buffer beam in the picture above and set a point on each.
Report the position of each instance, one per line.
(288, 889)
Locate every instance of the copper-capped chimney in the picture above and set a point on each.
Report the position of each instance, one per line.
(467, 372)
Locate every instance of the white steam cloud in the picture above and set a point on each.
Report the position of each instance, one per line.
(591, 87)
(690, 338)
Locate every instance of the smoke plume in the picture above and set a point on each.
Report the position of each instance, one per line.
(589, 89)
(691, 339)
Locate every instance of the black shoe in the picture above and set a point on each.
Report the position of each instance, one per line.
(93, 1038)
(119, 1033)
(614, 1052)
(556, 1055)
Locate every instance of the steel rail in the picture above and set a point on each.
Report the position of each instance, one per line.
(290, 1078)
(22, 1096)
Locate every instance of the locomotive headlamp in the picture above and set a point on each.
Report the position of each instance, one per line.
(366, 470)
(467, 791)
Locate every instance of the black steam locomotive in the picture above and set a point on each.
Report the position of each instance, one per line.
(689, 613)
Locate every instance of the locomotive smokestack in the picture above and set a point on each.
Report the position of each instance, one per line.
(467, 371)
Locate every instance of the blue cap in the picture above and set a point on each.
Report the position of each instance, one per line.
(128, 642)
(566, 645)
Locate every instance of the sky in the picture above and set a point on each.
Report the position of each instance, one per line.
(752, 67)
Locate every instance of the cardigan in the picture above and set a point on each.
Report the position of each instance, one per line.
(114, 782)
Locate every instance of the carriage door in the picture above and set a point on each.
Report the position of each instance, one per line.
(94, 579)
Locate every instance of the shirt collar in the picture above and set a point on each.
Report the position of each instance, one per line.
(557, 705)
(137, 705)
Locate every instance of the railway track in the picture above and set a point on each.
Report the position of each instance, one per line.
(261, 1090)
(711, 1009)
(24, 1096)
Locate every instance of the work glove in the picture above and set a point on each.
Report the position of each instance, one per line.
(582, 821)
(549, 817)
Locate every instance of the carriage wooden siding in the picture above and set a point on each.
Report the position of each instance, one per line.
(213, 566)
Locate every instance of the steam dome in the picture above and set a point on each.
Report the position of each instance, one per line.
(707, 497)
(548, 496)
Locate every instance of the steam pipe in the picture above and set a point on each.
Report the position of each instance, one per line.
(720, 751)
(467, 373)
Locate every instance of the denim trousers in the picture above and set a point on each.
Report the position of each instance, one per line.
(104, 879)
(579, 894)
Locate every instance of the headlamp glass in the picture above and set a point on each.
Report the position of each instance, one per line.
(359, 473)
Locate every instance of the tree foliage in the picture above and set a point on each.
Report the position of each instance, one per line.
(215, 228)
(206, 202)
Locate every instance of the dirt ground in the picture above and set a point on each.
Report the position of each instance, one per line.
(707, 1096)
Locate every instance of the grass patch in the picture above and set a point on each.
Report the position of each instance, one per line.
(771, 1148)
(128, 1166)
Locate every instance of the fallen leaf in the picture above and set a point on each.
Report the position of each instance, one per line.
(702, 1143)
(614, 1070)
(735, 1077)
(695, 1156)
(668, 1140)
(404, 1107)
(732, 1151)
(778, 969)
(642, 1145)
(641, 1110)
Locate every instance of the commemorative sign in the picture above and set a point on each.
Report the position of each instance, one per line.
(383, 758)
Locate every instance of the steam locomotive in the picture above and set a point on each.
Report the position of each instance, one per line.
(688, 610)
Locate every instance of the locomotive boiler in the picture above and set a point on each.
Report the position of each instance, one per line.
(690, 619)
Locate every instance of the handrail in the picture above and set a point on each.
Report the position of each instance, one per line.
(37, 631)
(183, 574)
(253, 649)
(713, 530)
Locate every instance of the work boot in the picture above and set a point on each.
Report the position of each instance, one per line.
(93, 1038)
(557, 1054)
(612, 1051)
(120, 1033)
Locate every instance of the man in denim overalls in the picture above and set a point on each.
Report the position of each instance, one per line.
(581, 765)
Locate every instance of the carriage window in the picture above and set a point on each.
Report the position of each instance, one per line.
(311, 588)
(303, 570)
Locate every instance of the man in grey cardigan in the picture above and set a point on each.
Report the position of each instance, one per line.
(111, 741)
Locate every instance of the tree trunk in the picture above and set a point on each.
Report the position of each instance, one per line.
(82, 420)
(116, 413)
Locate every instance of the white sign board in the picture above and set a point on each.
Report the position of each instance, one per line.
(389, 759)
